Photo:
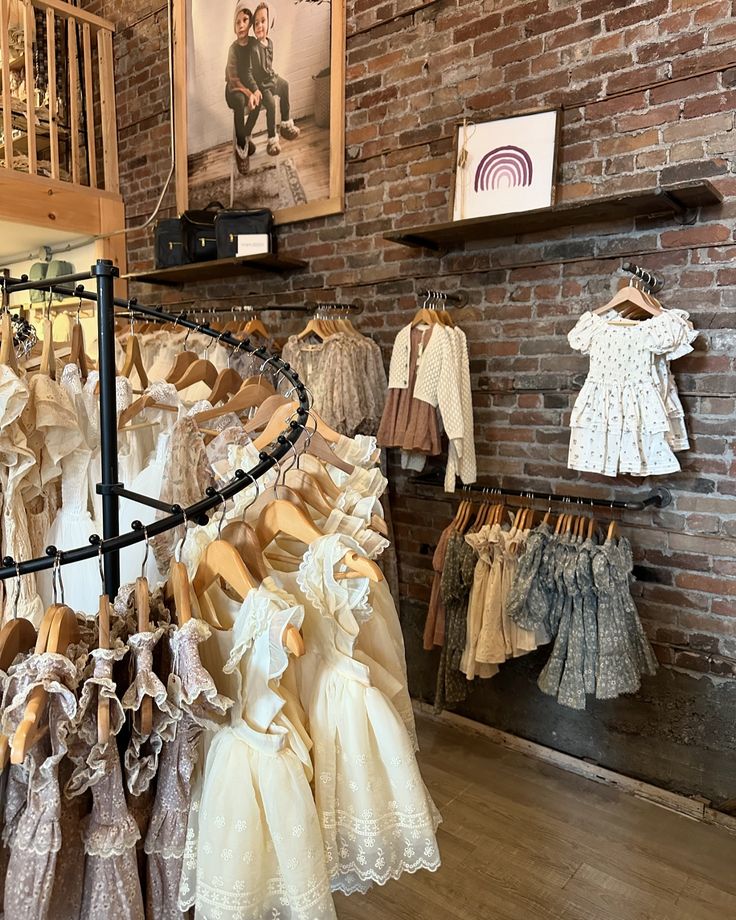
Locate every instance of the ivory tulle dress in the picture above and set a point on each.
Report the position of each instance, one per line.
(259, 852)
(377, 817)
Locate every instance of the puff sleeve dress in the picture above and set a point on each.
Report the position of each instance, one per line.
(621, 422)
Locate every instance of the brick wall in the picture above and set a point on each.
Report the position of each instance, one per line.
(648, 91)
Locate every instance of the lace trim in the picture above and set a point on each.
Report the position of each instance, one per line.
(364, 880)
(316, 897)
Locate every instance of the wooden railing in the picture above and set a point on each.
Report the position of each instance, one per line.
(57, 104)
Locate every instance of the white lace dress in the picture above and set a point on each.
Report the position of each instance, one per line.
(620, 422)
(259, 853)
(377, 817)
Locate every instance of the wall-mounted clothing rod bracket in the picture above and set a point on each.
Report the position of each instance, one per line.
(657, 498)
(118, 488)
(652, 282)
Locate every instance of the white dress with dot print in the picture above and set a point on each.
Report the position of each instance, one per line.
(623, 421)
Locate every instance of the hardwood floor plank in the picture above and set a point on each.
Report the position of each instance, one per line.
(524, 840)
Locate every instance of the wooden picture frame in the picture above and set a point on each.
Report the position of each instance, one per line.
(518, 183)
(238, 191)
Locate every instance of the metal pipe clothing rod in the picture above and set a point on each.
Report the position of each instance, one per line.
(657, 498)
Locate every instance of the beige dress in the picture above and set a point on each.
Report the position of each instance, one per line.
(194, 695)
(112, 889)
(32, 889)
(481, 610)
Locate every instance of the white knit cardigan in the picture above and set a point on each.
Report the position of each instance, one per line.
(443, 381)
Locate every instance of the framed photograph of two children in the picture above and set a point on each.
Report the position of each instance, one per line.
(260, 105)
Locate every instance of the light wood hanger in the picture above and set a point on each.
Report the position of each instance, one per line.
(243, 537)
(183, 360)
(134, 360)
(315, 445)
(264, 412)
(280, 419)
(103, 642)
(228, 382)
(78, 354)
(143, 611)
(315, 467)
(612, 531)
(200, 371)
(307, 487)
(629, 295)
(147, 401)
(180, 591)
(48, 354)
(222, 560)
(58, 630)
(254, 326)
(281, 517)
(7, 345)
(248, 396)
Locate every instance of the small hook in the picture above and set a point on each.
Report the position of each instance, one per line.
(57, 582)
(145, 555)
(16, 593)
(222, 516)
(101, 567)
(180, 544)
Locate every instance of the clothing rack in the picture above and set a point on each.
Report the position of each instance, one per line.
(112, 541)
(657, 498)
(652, 282)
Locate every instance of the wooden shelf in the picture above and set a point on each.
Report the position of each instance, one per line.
(677, 200)
(218, 269)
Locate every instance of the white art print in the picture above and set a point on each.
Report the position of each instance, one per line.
(505, 166)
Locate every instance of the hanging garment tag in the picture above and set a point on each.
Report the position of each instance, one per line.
(253, 244)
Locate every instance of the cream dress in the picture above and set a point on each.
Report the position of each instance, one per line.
(377, 817)
(621, 422)
(259, 852)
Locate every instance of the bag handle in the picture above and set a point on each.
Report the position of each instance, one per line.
(214, 206)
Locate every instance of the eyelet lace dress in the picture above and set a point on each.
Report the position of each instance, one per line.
(112, 889)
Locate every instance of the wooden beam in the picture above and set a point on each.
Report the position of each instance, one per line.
(108, 113)
(51, 71)
(7, 98)
(74, 114)
(74, 12)
(89, 106)
(180, 104)
(29, 26)
(112, 219)
(51, 203)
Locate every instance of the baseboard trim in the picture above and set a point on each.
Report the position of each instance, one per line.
(693, 808)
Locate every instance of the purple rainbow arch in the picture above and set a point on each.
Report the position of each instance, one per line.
(504, 167)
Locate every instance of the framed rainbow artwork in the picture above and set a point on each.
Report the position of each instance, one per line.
(505, 166)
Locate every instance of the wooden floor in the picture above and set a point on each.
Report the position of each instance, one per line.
(522, 840)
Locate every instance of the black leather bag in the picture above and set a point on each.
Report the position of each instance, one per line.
(169, 243)
(230, 224)
(198, 228)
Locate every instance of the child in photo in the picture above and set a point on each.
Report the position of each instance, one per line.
(265, 84)
(237, 73)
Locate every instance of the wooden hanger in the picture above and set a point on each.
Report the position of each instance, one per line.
(281, 517)
(307, 487)
(243, 537)
(7, 344)
(316, 446)
(629, 295)
(17, 636)
(247, 396)
(315, 467)
(78, 354)
(612, 531)
(254, 326)
(264, 411)
(222, 560)
(134, 360)
(147, 401)
(228, 382)
(183, 360)
(180, 591)
(48, 354)
(103, 642)
(280, 419)
(143, 612)
(200, 371)
(58, 630)
(317, 327)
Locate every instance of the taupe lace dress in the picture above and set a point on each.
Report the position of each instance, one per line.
(30, 890)
(194, 695)
(112, 889)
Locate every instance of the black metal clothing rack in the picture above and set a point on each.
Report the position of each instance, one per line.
(657, 498)
(112, 541)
